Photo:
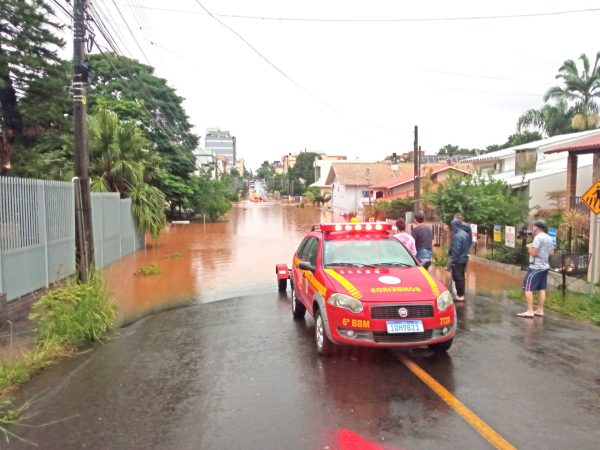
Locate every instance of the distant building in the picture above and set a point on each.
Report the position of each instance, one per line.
(351, 183)
(535, 169)
(222, 144)
(205, 161)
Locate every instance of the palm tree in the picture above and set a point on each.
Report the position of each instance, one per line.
(120, 161)
(549, 119)
(580, 89)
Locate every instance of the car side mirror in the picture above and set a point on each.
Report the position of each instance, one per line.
(304, 265)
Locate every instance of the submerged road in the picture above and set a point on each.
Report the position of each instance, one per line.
(240, 373)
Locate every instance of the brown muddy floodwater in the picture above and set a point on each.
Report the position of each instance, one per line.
(207, 262)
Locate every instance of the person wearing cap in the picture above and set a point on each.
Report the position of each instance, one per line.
(536, 278)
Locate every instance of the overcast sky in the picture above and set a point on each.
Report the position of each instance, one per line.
(356, 87)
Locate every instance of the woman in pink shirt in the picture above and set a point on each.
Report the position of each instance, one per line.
(406, 239)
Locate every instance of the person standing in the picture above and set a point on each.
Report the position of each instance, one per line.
(423, 236)
(459, 253)
(536, 278)
(404, 237)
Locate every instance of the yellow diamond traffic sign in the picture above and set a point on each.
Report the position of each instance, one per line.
(592, 197)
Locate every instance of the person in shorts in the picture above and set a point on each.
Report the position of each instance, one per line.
(536, 278)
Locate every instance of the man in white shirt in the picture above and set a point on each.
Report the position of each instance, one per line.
(536, 278)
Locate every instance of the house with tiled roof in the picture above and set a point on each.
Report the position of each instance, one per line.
(536, 170)
(403, 186)
(350, 183)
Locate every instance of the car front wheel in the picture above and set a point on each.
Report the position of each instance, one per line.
(442, 346)
(298, 309)
(324, 346)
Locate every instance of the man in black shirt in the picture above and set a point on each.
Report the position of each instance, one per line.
(423, 239)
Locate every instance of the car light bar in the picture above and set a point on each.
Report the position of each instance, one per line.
(359, 227)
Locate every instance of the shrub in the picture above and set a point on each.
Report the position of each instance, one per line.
(148, 270)
(75, 314)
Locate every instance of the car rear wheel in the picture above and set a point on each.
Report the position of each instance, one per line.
(282, 284)
(298, 309)
(442, 346)
(324, 346)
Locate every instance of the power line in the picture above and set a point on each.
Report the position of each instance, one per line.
(383, 20)
(264, 58)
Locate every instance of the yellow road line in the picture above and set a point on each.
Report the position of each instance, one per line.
(472, 419)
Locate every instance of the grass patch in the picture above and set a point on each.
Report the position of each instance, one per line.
(175, 255)
(66, 318)
(148, 270)
(578, 306)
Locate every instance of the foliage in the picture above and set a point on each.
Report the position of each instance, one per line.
(579, 89)
(303, 171)
(399, 207)
(579, 306)
(148, 208)
(452, 150)
(131, 88)
(75, 314)
(211, 197)
(29, 49)
(482, 200)
(504, 254)
(522, 138)
(148, 270)
(550, 119)
(378, 210)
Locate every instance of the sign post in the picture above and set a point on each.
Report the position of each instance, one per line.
(592, 199)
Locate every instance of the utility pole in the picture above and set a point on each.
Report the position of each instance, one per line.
(368, 173)
(84, 236)
(417, 168)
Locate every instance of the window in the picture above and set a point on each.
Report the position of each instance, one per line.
(365, 194)
(309, 251)
(525, 161)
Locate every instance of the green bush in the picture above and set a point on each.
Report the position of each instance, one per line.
(75, 313)
(504, 254)
(148, 270)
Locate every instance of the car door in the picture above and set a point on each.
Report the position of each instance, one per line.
(302, 278)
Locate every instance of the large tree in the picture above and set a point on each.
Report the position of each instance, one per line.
(579, 89)
(121, 161)
(482, 200)
(28, 50)
(133, 91)
(550, 119)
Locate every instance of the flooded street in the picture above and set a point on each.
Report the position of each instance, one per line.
(207, 262)
(242, 373)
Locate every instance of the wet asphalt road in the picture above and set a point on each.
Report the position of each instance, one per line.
(240, 373)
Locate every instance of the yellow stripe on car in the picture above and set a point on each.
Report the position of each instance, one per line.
(434, 287)
(312, 280)
(318, 286)
(344, 282)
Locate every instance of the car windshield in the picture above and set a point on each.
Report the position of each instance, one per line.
(366, 253)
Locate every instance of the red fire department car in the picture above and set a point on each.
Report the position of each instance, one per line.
(363, 287)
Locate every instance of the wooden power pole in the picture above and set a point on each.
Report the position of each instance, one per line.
(84, 236)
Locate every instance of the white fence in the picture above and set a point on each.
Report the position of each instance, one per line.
(37, 233)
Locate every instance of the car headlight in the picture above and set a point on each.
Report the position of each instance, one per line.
(444, 300)
(346, 302)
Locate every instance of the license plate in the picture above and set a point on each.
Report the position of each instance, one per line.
(404, 326)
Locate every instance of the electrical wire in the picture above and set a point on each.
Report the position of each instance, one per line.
(383, 20)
